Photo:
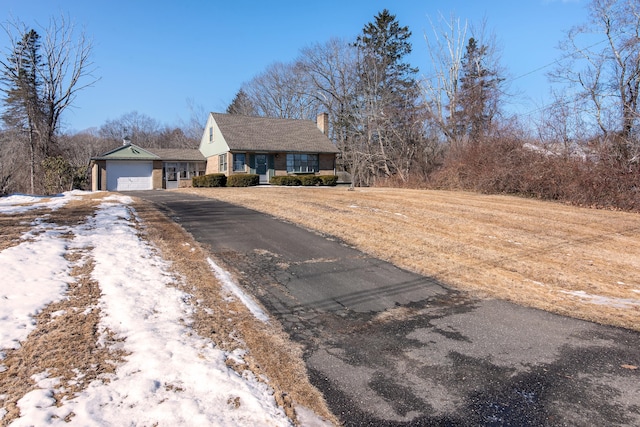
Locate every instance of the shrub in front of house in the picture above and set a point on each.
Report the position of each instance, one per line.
(197, 181)
(285, 180)
(244, 180)
(310, 180)
(210, 180)
(329, 180)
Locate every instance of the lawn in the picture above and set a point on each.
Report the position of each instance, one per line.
(574, 261)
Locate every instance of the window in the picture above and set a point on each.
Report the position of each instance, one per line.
(210, 133)
(302, 163)
(171, 171)
(238, 162)
(184, 171)
(222, 162)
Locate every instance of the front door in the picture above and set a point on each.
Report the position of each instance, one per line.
(171, 176)
(261, 168)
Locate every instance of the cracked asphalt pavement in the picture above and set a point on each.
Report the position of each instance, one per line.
(388, 347)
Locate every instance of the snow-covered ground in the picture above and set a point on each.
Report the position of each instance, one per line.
(171, 376)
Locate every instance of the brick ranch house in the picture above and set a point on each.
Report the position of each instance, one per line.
(230, 144)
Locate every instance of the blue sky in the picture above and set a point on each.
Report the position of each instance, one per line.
(153, 57)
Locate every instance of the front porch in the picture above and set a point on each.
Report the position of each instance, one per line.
(179, 174)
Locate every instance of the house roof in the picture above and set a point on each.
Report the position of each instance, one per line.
(247, 133)
(133, 152)
(179, 154)
(127, 152)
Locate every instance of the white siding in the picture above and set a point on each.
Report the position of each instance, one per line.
(215, 147)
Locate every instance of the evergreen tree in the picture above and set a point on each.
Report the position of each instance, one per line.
(387, 105)
(242, 105)
(385, 80)
(23, 106)
(478, 94)
(22, 84)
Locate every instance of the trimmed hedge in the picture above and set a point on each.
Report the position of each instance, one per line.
(285, 180)
(210, 180)
(307, 180)
(244, 180)
(329, 180)
(310, 180)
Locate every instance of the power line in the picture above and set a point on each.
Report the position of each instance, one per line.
(562, 58)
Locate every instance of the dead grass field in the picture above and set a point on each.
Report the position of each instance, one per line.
(578, 262)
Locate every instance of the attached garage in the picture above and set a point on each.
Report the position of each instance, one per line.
(126, 168)
(129, 175)
(131, 168)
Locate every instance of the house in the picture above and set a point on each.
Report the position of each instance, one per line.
(230, 144)
(236, 144)
(130, 167)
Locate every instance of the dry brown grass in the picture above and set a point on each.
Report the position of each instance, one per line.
(526, 251)
(65, 341)
(14, 226)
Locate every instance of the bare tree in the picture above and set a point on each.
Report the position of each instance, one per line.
(561, 127)
(280, 92)
(331, 70)
(78, 148)
(175, 137)
(44, 83)
(139, 128)
(147, 132)
(607, 73)
(68, 70)
(441, 86)
(13, 173)
(194, 127)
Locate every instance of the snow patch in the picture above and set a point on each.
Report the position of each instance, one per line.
(171, 376)
(231, 286)
(19, 203)
(35, 273)
(601, 300)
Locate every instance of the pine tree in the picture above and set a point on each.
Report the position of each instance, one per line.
(241, 105)
(478, 95)
(383, 45)
(23, 106)
(387, 97)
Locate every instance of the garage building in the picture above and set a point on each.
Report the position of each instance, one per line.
(129, 168)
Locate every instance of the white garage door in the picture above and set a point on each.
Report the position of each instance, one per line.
(129, 176)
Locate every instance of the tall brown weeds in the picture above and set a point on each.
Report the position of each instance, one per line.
(508, 166)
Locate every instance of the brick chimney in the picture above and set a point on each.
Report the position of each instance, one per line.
(323, 123)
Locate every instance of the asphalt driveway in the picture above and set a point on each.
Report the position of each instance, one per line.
(388, 347)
